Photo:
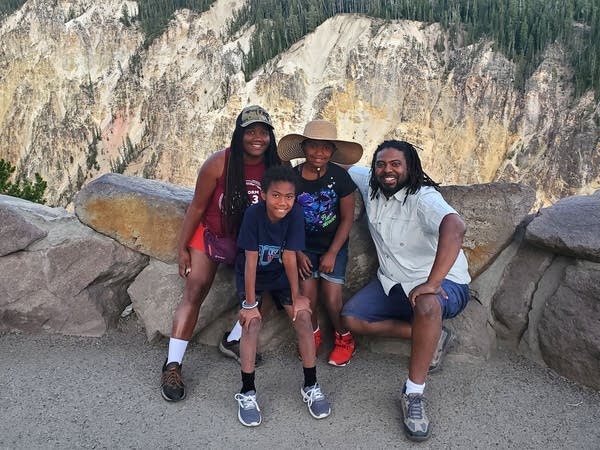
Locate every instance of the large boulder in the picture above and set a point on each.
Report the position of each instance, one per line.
(570, 227)
(71, 281)
(21, 230)
(144, 215)
(158, 289)
(155, 293)
(492, 211)
(547, 286)
(569, 327)
(362, 258)
(512, 300)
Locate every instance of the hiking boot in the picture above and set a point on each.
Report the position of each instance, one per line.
(318, 406)
(171, 385)
(248, 410)
(442, 348)
(318, 339)
(416, 424)
(343, 349)
(232, 350)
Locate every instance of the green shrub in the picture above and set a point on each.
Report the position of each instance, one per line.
(22, 188)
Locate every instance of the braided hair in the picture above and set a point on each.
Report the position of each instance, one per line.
(416, 176)
(235, 199)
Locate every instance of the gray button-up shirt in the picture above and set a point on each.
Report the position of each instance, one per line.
(406, 234)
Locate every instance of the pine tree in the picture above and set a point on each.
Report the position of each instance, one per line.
(23, 188)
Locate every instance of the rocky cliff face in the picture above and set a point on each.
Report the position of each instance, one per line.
(79, 97)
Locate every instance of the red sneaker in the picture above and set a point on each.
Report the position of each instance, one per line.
(317, 336)
(343, 349)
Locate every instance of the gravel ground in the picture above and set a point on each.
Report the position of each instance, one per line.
(70, 392)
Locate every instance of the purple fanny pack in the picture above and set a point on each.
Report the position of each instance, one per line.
(220, 249)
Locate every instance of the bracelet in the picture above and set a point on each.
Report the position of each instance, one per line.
(249, 306)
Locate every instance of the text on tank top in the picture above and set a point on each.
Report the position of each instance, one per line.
(253, 173)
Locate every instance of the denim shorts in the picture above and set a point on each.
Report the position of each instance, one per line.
(371, 304)
(338, 276)
(281, 298)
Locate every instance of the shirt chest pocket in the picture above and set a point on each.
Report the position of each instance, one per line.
(397, 231)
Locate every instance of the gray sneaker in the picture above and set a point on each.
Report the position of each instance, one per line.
(232, 350)
(442, 348)
(416, 424)
(248, 410)
(318, 406)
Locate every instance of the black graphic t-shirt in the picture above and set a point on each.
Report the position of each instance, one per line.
(320, 200)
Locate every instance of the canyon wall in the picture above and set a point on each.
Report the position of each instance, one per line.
(80, 96)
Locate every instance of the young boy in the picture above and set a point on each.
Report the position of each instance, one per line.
(271, 233)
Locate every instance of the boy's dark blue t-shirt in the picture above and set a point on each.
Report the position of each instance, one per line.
(258, 233)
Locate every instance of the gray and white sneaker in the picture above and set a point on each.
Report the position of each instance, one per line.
(248, 410)
(414, 418)
(442, 348)
(318, 406)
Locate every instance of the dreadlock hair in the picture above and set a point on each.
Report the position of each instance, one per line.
(235, 199)
(416, 176)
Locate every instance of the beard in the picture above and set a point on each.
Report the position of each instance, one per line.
(388, 190)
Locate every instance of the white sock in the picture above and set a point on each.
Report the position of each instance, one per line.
(176, 350)
(236, 332)
(414, 388)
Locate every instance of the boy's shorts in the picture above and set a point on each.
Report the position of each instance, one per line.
(371, 304)
(338, 276)
(281, 298)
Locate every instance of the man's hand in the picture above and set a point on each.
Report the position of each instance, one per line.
(327, 262)
(185, 263)
(301, 303)
(304, 265)
(246, 316)
(423, 289)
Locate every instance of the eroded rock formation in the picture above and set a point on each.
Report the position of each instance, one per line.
(79, 96)
(62, 277)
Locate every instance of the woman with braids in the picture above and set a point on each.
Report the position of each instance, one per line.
(228, 182)
(423, 276)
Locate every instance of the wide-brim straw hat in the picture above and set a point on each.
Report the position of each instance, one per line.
(347, 152)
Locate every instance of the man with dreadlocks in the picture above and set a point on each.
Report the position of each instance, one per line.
(228, 181)
(423, 276)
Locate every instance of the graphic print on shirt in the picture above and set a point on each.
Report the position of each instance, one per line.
(268, 253)
(253, 189)
(319, 208)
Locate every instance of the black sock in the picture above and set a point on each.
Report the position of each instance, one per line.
(247, 382)
(310, 376)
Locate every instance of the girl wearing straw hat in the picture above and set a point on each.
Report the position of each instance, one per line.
(327, 197)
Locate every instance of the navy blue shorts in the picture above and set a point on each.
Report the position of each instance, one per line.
(338, 276)
(281, 297)
(371, 304)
